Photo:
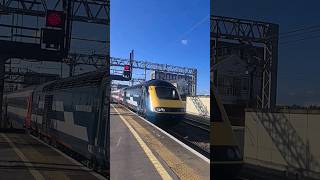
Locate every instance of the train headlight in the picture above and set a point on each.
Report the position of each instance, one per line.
(159, 109)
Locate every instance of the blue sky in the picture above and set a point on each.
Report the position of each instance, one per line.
(170, 32)
(299, 61)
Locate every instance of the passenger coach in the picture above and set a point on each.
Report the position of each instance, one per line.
(70, 112)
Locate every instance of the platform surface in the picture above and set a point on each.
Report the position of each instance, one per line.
(128, 158)
(24, 157)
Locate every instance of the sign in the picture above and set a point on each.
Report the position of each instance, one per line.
(181, 82)
(169, 76)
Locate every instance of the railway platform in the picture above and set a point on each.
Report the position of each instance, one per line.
(141, 150)
(24, 157)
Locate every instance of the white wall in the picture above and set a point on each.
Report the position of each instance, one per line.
(191, 108)
(283, 139)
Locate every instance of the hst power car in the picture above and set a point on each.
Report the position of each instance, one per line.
(155, 99)
(225, 153)
(70, 112)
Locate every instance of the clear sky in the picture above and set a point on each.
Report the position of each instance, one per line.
(299, 60)
(166, 31)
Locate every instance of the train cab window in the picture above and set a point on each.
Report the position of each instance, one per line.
(167, 93)
(215, 110)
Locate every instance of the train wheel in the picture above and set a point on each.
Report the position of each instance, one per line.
(45, 139)
(89, 164)
(50, 141)
(144, 113)
(94, 163)
(54, 143)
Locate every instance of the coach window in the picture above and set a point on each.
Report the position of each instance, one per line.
(146, 91)
(167, 93)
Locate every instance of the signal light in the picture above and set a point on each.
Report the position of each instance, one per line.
(55, 19)
(127, 72)
(52, 38)
(127, 67)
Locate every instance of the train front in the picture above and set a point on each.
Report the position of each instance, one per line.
(226, 158)
(164, 101)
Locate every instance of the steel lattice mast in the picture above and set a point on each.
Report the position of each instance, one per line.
(251, 32)
(20, 29)
(90, 11)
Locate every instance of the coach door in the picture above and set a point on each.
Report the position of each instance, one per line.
(47, 110)
(143, 100)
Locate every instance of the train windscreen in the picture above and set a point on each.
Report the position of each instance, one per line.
(167, 93)
(216, 110)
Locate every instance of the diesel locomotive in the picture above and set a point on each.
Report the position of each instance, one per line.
(155, 99)
(225, 154)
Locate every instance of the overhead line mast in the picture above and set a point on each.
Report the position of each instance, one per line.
(23, 42)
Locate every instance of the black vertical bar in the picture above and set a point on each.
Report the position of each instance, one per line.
(274, 65)
(60, 69)
(2, 72)
(71, 68)
(66, 5)
(131, 68)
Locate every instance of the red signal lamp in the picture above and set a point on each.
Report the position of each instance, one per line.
(127, 72)
(127, 67)
(55, 18)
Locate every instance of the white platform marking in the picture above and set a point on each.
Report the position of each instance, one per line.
(36, 174)
(100, 177)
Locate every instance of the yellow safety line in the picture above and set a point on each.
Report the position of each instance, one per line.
(161, 170)
(36, 174)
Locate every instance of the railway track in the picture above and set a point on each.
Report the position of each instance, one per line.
(198, 146)
(192, 133)
(199, 124)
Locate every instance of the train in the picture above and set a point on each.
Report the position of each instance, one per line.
(71, 113)
(157, 100)
(225, 154)
(117, 96)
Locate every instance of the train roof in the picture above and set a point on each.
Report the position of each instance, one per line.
(153, 82)
(93, 78)
(157, 82)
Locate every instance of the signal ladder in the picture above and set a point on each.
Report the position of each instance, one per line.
(201, 108)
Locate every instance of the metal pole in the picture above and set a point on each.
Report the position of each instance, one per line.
(194, 83)
(60, 69)
(71, 69)
(145, 72)
(68, 25)
(2, 72)
(215, 61)
(131, 62)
